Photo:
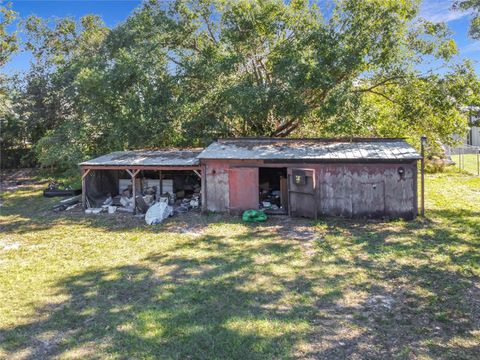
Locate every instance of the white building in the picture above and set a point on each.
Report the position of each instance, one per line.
(473, 135)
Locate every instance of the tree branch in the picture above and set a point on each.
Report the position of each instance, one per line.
(383, 95)
(175, 61)
(209, 29)
(279, 130)
(383, 82)
(288, 131)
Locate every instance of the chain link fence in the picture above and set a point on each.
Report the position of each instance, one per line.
(465, 158)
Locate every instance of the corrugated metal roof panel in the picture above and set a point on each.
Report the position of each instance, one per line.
(147, 158)
(310, 149)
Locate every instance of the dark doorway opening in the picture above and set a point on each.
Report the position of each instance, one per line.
(273, 192)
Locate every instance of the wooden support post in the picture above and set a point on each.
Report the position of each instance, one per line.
(133, 175)
(478, 162)
(84, 187)
(203, 188)
(160, 175)
(288, 192)
(423, 143)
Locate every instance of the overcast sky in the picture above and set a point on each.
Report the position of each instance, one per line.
(114, 12)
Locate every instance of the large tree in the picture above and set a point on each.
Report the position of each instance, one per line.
(9, 125)
(185, 72)
(270, 68)
(48, 103)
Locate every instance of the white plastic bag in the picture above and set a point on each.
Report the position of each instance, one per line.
(157, 213)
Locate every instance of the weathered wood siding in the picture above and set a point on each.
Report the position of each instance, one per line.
(342, 189)
(216, 186)
(367, 190)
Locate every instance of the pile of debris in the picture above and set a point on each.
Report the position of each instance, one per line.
(68, 204)
(59, 189)
(270, 200)
(149, 202)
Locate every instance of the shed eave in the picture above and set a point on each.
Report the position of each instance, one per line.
(139, 167)
(316, 160)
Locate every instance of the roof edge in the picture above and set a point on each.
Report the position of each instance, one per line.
(341, 139)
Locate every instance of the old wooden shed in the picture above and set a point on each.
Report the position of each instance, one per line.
(311, 177)
(301, 177)
(167, 170)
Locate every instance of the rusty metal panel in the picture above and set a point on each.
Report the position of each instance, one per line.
(168, 157)
(302, 192)
(243, 189)
(290, 149)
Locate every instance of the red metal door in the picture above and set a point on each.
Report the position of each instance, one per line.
(243, 188)
(301, 193)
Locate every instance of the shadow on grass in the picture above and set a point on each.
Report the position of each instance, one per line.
(196, 308)
(27, 211)
(230, 299)
(283, 289)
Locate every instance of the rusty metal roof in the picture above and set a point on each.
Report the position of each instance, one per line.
(147, 158)
(358, 149)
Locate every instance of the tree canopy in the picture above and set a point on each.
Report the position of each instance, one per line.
(185, 72)
(474, 7)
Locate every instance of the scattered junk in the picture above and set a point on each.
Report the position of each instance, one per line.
(67, 204)
(71, 207)
(158, 212)
(59, 189)
(273, 190)
(94, 211)
(150, 202)
(149, 184)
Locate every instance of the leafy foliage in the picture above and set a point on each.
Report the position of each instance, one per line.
(186, 72)
(8, 41)
(474, 7)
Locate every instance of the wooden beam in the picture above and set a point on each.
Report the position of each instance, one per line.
(203, 188)
(160, 175)
(133, 174)
(289, 178)
(85, 172)
(198, 174)
(140, 167)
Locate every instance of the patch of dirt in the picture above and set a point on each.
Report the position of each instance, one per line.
(13, 246)
(6, 245)
(13, 179)
(191, 223)
(379, 302)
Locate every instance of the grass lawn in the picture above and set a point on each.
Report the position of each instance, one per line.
(77, 286)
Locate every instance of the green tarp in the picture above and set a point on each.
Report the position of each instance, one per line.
(254, 216)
